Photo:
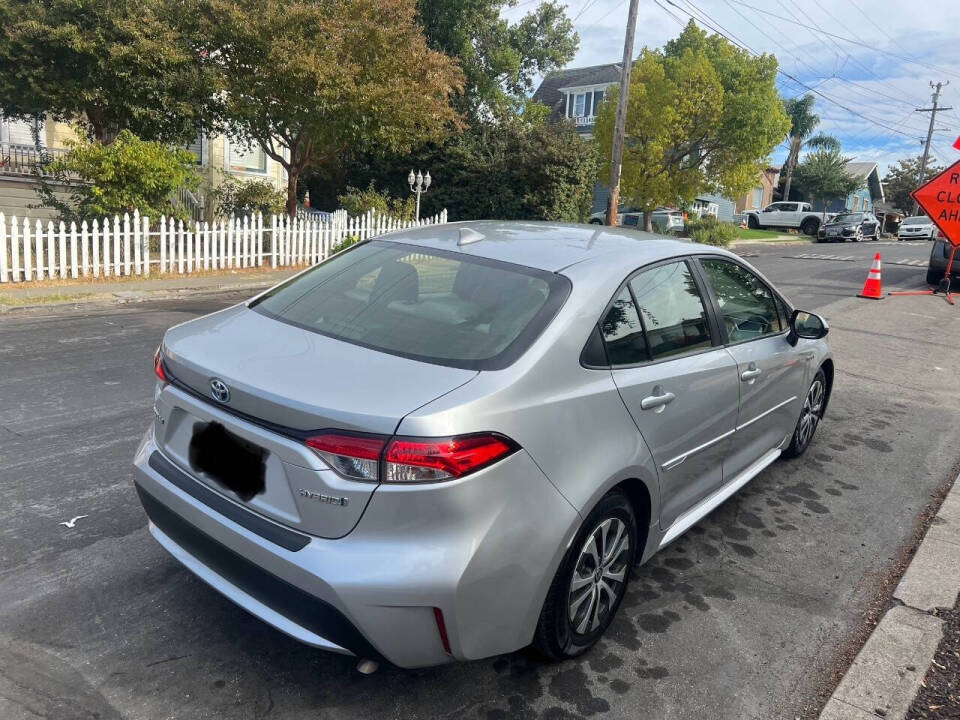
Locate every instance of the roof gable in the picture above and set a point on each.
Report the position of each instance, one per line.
(549, 91)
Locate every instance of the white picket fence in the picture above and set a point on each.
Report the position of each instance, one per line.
(131, 245)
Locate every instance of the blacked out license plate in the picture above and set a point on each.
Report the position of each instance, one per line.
(228, 459)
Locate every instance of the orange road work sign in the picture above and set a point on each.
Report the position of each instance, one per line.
(940, 200)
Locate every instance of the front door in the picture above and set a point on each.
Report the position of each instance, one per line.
(772, 375)
(678, 383)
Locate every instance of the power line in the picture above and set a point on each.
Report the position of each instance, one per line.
(849, 40)
(729, 36)
(870, 20)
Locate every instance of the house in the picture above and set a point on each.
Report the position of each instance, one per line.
(866, 198)
(761, 194)
(20, 155)
(576, 93)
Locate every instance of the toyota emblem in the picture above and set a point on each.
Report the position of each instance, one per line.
(219, 390)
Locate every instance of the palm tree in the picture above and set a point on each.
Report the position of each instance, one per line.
(803, 121)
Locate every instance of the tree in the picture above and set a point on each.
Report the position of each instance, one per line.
(803, 121)
(903, 178)
(500, 60)
(359, 202)
(126, 175)
(310, 80)
(235, 198)
(823, 175)
(703, 115)
(110, 65)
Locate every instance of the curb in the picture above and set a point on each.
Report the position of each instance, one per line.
(125, 297)
(885, 676)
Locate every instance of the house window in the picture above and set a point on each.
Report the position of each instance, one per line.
(856, 202)
(569, 105)
(21, 132)
(578, 105)
(247, 159)
(758, 196)
(866, 205)
(196, 149)
(597, 99)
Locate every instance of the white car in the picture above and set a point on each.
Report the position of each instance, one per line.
(788, 215)
(918, 226)
(664, 219)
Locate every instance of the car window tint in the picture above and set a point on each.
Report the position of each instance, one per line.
(623, 332)
(746, 304)
(672, 310)
(412, 301)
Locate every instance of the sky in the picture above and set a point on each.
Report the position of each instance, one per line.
(880, 66)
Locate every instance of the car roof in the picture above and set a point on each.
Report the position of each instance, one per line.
(544, 245)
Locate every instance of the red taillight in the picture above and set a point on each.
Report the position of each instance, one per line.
(442, 629)
(158, 366)
(354, 456)
(434, 459)
(409, 460)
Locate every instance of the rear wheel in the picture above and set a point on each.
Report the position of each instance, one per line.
(809, 226)
(810, 416)
(591, 580)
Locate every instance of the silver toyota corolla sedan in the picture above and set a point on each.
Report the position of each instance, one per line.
(455, 441)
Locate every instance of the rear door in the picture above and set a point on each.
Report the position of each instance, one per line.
(790, 214)
(679, 385)
(771, 373)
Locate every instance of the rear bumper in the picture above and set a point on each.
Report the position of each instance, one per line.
(483, 550)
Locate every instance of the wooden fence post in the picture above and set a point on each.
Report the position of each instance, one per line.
(146, 244)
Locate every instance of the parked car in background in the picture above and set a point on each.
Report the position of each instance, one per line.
(854, 226)
(939, 258)
(664, 219)
(918, 227)
(787, 216)
(530, 410)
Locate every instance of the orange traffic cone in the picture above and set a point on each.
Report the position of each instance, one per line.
(872, 287)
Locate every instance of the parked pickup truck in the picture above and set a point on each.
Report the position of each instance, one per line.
(786, 215)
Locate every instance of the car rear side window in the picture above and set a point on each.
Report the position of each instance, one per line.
(623, 332)
(746, 305)
(672, 311)
(436, 306)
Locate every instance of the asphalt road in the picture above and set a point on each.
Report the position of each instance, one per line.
(746, 616)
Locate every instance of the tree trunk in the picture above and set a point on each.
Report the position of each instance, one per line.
(292, 176)
(648, 220)
(791, 162)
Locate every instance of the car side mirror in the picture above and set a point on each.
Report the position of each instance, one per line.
(807, 325)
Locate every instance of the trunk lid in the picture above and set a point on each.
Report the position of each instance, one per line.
(284, 382)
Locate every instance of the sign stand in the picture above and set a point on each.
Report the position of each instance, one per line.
(940, 199)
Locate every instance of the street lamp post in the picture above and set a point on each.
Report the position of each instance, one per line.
(418, 184)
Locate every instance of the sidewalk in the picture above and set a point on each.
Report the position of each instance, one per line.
(895, 675)
(14, 296)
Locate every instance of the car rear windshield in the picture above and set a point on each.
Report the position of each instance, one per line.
(436, 306)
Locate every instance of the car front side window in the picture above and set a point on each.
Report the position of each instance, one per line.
(747, 307)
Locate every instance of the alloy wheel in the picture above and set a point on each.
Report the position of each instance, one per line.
(811, 414)
(599, 576)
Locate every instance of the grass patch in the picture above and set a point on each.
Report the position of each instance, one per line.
(11, 301)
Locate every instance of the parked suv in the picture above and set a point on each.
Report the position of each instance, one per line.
(453, 441)
(664, 219)
(940, 258)
(855, 226)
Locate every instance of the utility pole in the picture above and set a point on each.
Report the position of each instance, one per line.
(616, 159)
(926, 148)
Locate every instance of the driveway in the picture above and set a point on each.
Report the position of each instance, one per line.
(747, 616)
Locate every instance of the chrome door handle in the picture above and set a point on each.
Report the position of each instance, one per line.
(751, 373)
(657, 401)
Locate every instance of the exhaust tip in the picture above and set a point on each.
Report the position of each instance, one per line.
(367, 667)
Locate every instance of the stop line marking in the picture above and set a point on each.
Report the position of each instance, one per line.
(852, 258)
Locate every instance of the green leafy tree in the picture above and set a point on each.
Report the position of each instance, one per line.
(500, 59)
(903, 178)
(703, 116)
(803, 121)
(235, 197)
(110, 65)
(126, 175)
(823, 175)
(309, 81)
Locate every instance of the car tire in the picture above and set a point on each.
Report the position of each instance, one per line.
(809, 226)
(858, 236)
(596, 222)
(574, 618)
(752, 222)
(811, 413)
(934, 277)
